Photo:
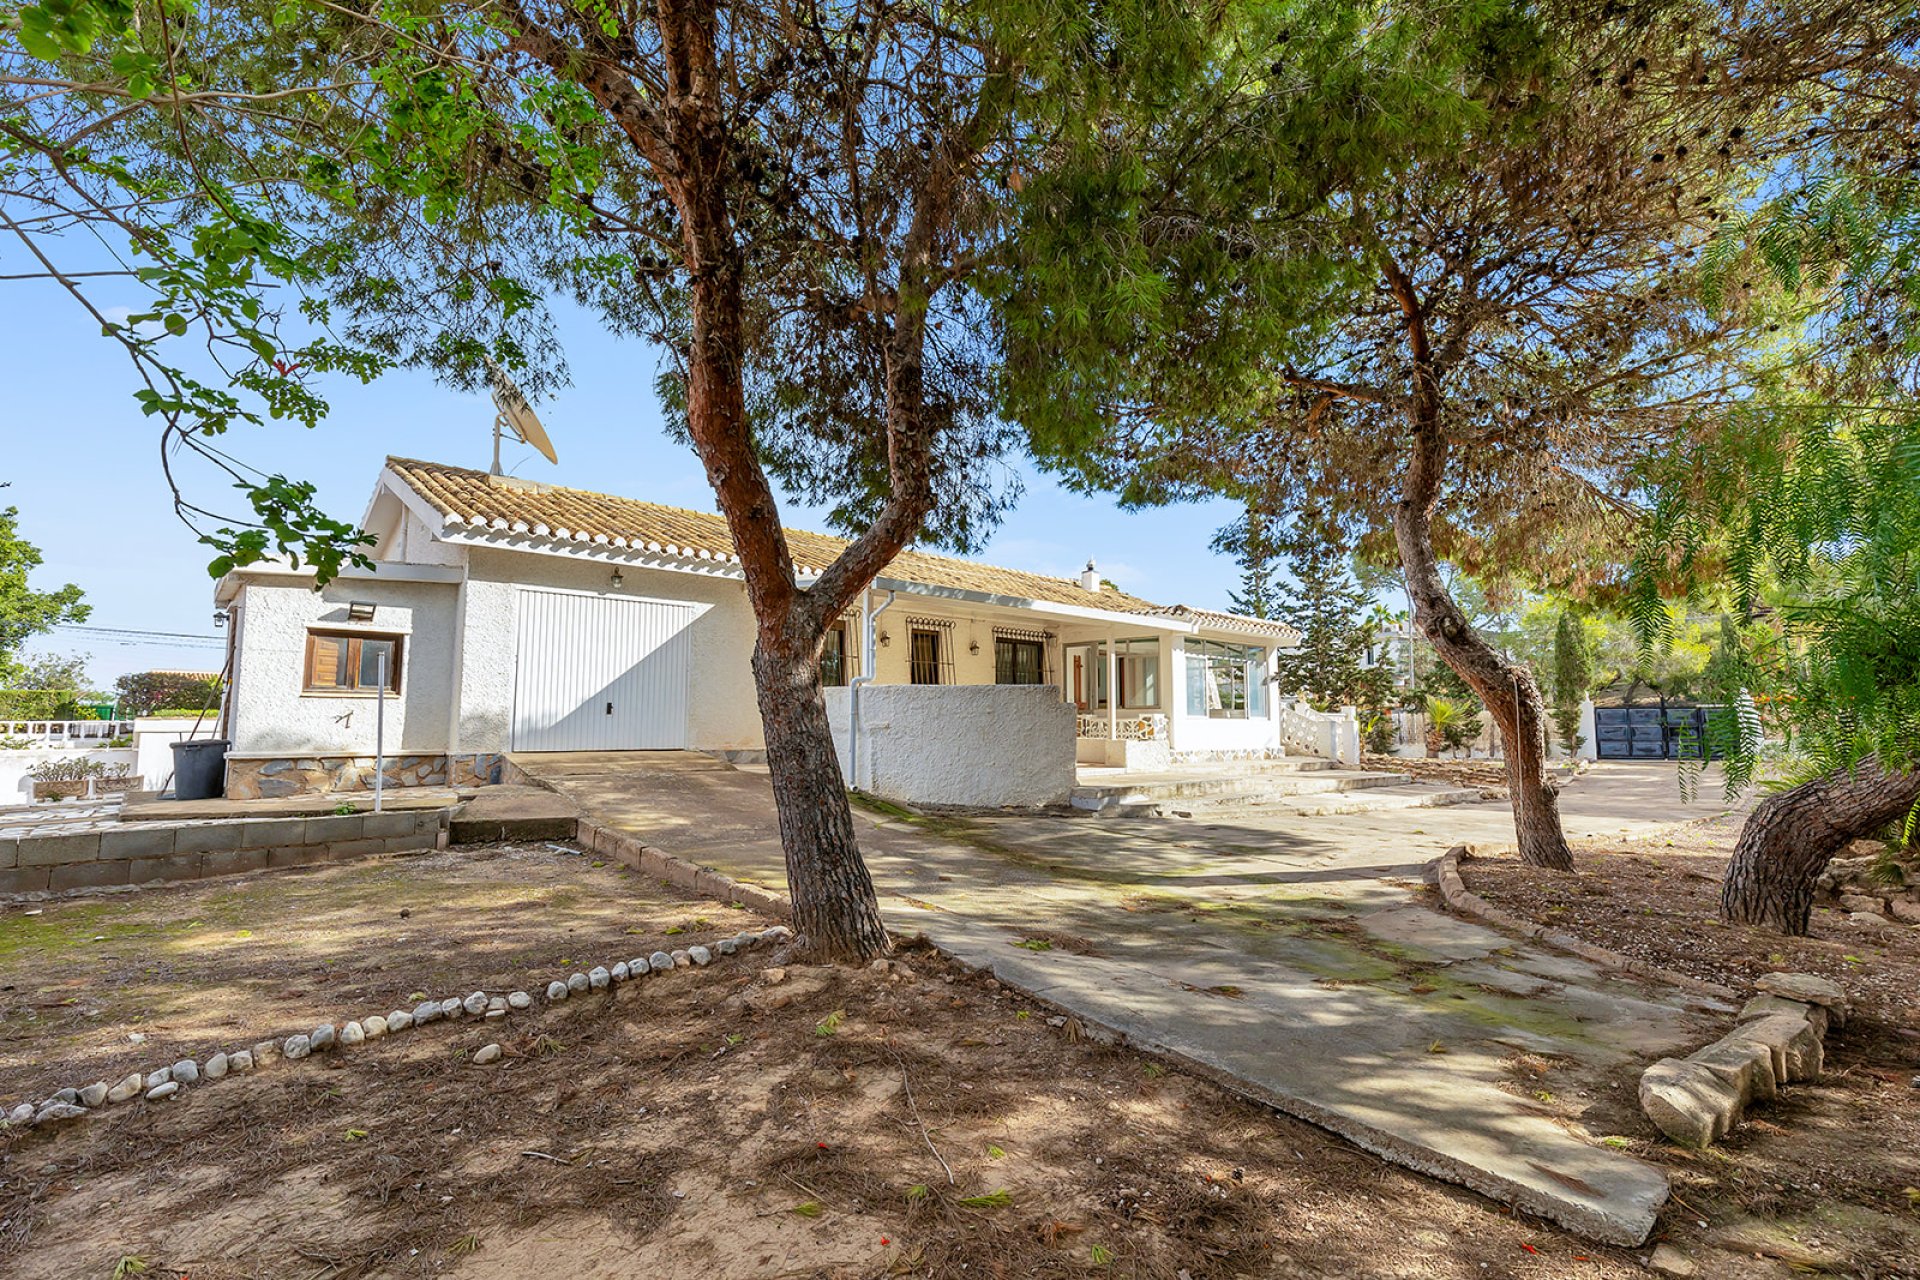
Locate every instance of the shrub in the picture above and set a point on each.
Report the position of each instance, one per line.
(141, 693)
(35, 704)
(77, 770)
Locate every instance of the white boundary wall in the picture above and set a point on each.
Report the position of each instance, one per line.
(970, 744)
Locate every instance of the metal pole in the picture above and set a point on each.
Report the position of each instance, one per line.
(380, 734)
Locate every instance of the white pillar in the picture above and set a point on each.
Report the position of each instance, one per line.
(1113, 692)
(1586, 747)
(1347, 749)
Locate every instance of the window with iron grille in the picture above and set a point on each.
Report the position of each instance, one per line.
(834, 666)
(1019, 661)
(927, 656)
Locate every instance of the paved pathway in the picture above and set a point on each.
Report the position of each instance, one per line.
(1292, 957)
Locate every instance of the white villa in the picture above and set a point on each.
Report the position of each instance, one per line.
(510, 616)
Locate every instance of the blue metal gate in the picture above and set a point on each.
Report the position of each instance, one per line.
(1661, 732)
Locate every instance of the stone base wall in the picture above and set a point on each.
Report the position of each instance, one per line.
(143, 852)
(252, 779)
(1229, 755)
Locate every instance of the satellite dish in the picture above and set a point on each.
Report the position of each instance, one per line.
(515, 417)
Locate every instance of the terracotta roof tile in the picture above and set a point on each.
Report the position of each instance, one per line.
(478, 499)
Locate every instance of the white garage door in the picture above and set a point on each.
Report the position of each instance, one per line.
(600, 673)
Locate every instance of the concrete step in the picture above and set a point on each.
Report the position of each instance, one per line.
(1164, 788)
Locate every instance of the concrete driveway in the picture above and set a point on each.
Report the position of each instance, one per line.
(1294, 958)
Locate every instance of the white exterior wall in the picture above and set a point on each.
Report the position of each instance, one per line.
(153, 739)
(17, 788)
(1204, 733)
(722, 711)
(979, 745)
(893, 661)
(273, 716)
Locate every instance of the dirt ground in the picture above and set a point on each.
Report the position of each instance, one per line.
(1488, 775)
(1827, 1177)
(713, 1123)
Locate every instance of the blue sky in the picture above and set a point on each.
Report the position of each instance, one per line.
(84, 471)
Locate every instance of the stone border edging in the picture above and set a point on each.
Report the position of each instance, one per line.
(630, 851)
(165, 1082)
(1777, 1040)
(1445, 873)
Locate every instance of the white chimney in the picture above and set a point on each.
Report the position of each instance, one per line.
(1089, 578)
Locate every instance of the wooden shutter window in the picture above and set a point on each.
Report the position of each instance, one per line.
(349, 662)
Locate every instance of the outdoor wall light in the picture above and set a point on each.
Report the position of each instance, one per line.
(884, 639)
(973, 646)
(359, 611)
(617, 580)
(219, 617)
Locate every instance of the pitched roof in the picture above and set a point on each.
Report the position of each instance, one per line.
(1214, 620)
(477, 499)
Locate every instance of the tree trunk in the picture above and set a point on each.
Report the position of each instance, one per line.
(1789, 838)
(1507, 688)
(834, 907)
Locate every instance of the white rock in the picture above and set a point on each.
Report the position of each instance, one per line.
(263, 1052)
(242, 1060)
(620, 972)
(485, 1054)
(557, 990)
(579, 983)
(497, 1004)
(296, 1048)
(423, 1013)
(68, 1096)
(451, 1006)
(700, 955)
(399, 1020)
(56, 1111)
(491, 1014)
(352, 1033)
(94, 1094)
(778, 933)
(126, 1088)
(186, 1071)
(321, 1038)
(637, 967)
(375, 1026)
(157, 1078)
(681, 960)
(476, 1003)
(217, 1066)
(519, 1000)
(660, 962)
(599, 979)
(20, 1115)
(727, 946)
(161, 1092)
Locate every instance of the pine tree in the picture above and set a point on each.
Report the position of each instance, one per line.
(1572, 678)
(1327, 606)
(1250, 541)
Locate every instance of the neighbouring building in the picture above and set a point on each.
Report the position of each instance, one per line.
(505, 616)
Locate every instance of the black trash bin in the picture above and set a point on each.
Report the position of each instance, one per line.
(200, 768)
